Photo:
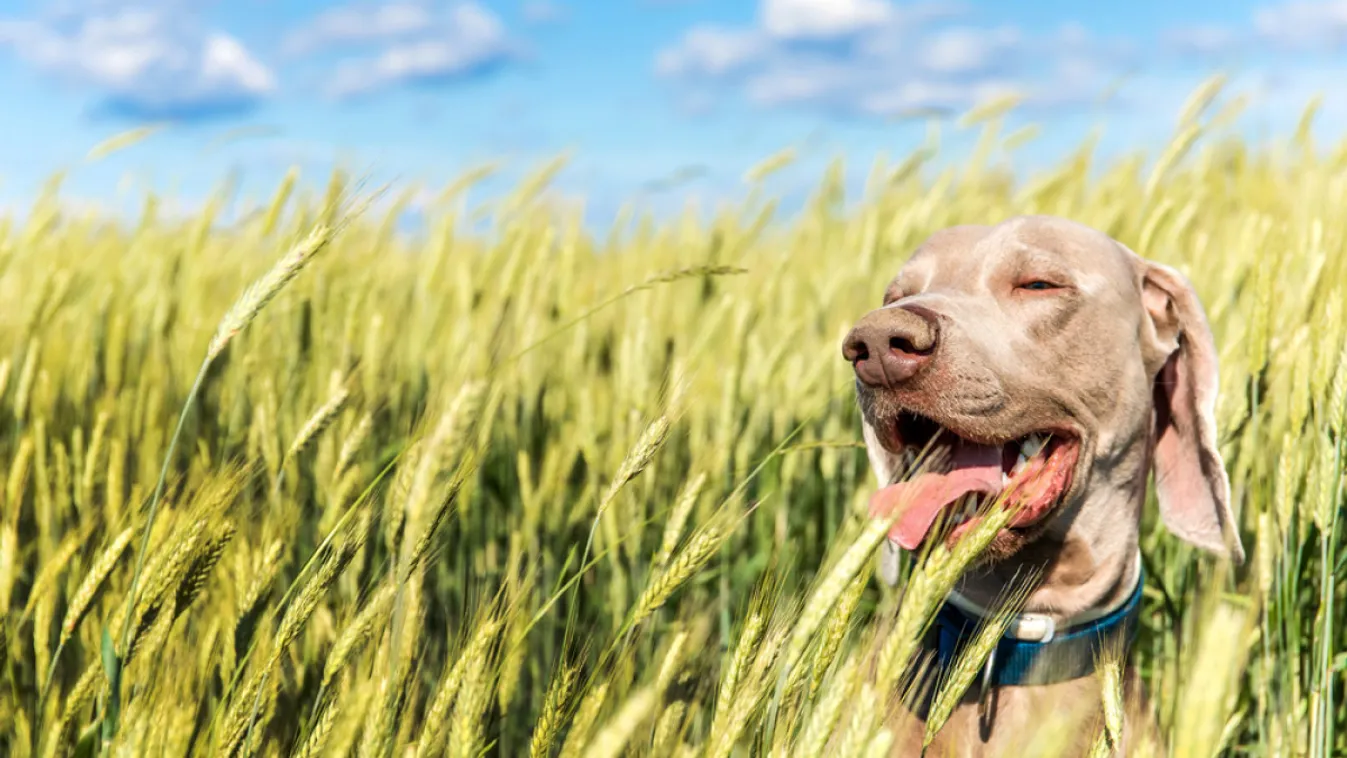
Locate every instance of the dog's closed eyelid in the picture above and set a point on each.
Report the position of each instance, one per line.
(1040, 282)
(1038, 285)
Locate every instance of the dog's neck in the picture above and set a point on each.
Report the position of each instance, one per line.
(1068, 589)
(1034, 626)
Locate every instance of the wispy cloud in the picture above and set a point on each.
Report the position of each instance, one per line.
(823, 19)
(874, 57)
(1288, 28)
(543, 12)
(377, 46)
(362, 24)
(1203, 40)
(1302, 25)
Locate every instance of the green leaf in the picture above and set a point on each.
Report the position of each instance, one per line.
(112, 668)
(110, 662)
(85, 746)
(1340, 662)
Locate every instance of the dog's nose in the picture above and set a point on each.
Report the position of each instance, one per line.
(890, 345)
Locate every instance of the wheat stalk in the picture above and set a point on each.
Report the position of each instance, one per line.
(928, 588)
(585, 716)
(836, 630)
(827, 711)
(835, 583)
(262, 291)
(51, 569)
(318, 735)
(352, 445)
(658, 591)
(678, 518)
(970, 662)
(636, 461)
(667, 728)
(95, 454)
(84, 595)
(359, 632)
(297, 614)
(238, 317)
(610, 740)
(749, 638)
(549, 722)
(668, 668)
(261, 579)
(319, 421)
(1111, 687)
(468, 664)
(27, 374)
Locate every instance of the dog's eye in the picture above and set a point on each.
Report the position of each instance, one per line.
(1038, 284)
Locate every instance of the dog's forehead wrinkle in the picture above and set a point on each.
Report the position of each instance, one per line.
(1093, 283)
(946, 249)
(1080, 244)
(1093, 261)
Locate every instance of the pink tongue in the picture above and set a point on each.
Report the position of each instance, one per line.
(976, 468)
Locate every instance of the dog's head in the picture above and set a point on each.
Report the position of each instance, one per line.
(1042, 360)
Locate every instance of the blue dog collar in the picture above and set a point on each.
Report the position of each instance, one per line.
(1063, 654)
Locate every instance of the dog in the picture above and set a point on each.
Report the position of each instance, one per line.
(1052, 362)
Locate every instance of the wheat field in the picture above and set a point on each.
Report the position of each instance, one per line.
(305, 484)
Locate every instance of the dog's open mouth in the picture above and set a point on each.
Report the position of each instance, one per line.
(956, 476)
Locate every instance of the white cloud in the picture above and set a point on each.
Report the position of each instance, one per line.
(404, 41)
(361, 24)
(920, 94)
(822, 19)
(817, 82)
(151, 63)
(877, 58)
(1298, 26)
(967, 49)
(711, 51)
(1302, 25)
(226, 61)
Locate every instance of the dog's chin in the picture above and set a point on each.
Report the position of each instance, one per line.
(1010, 542)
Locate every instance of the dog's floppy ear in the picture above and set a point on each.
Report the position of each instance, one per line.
(1191, 483)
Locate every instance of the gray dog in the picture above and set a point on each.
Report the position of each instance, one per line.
(1044, 359)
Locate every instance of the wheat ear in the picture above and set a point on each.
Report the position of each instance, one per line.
(547, 727)
(678, 518)
(242, 313)
(610, 740)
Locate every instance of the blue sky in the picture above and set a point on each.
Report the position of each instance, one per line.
(417, 91)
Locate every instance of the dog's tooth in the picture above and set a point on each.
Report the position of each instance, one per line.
(1005, 478)
(969, 508)
(959, 513)
(1032, 446)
